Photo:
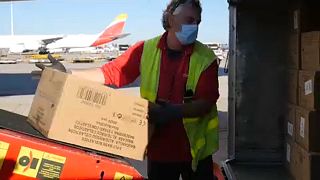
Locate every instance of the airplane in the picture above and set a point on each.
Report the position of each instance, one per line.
(47, 43)
(111, 33)
(22, 43)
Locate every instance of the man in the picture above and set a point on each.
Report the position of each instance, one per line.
(180, 75)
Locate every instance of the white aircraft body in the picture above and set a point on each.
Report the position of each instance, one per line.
(54, 43)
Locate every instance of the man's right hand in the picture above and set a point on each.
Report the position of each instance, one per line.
(161, 114)
(55, 64)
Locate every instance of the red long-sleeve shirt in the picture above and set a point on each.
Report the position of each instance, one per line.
(169, 143)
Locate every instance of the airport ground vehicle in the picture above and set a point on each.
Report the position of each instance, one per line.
(26, 154)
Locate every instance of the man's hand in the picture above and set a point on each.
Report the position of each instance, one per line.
(55, 64)
(162, 114)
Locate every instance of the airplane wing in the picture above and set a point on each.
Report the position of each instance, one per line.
(50, 40)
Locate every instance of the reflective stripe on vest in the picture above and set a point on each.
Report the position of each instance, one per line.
(202, 132)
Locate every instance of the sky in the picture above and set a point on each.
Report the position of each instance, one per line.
(92, 16)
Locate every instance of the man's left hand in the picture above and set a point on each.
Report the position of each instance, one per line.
(55, 64)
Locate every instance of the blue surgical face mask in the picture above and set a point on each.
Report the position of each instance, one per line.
(188, 34)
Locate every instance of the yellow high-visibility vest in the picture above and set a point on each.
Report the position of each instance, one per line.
(202, 132)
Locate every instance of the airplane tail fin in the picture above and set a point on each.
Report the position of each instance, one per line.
(112, 31)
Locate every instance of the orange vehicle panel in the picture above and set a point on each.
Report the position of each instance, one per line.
(27, 157)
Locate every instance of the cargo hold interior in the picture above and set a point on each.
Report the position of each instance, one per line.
(265, 54)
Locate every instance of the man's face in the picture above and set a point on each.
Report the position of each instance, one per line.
(186, 15)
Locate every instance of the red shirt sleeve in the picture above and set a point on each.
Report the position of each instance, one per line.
(208, 85)
(124, 69)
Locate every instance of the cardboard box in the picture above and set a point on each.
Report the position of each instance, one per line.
(292, 88)
(309, 89)
(307, 129)
(290, 121)
(294, 51)
(295, 14)
(290, 154)
(296, 20)
(77, 111)
(307, 165)
(303, 16)
(310, 50)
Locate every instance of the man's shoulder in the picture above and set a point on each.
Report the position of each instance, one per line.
(158, 41)
(203, 50)
(202, 45)
(199, 45)
(154, 38)
(138, 44)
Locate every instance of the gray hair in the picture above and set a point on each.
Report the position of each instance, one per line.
(175, 7)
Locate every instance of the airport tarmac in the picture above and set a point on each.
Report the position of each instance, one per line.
(18, 87)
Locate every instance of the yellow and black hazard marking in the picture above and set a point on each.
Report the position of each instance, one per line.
(121, 176)
(3, 152)
(39, 164)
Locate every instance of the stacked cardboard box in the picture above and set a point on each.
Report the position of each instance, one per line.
(302, 119)
(292, 93)
(307, 115)
(310, 50)
(307, 164)
(293, 60)
(307, 133)
(305, 150)
(304, 165)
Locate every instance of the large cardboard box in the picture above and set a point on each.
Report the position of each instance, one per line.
(307, 165)
(310, 50)
(309, 89)
(307, 129)
(292, 88)
(80, 112)
(290, 122)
